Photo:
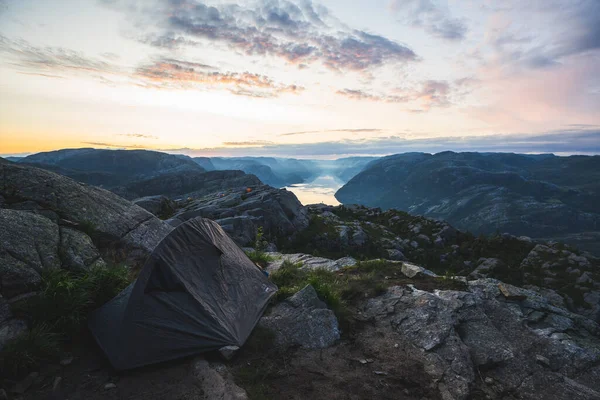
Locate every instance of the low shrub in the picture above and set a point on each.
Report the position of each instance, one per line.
(66, 297)
(259, 257)
(59, 312)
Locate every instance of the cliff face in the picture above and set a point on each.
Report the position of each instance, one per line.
(539, 196)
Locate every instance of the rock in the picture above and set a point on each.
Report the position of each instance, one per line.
(5, 312)
(24, 385)
(485, 267)
(111, 221)
(110, 386)
(423, 239)
(159, 205)
(302, 320)
(240, 213)
(396, 255)
(10, 330)
(22, 255)
(451, 334)
(228, 352)
(216, 382)
(412, 270)
(512, 292)
(66, 361)
(56, 383)
(308, 262)
(78, 251)
(271, 248)
(542, 360)
(359, 237)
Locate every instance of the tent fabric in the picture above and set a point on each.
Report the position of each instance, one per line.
(197, 292)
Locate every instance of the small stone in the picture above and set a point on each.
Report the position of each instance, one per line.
(489, 380)
(228, 352)
(109, 386)
(542, 360)
(66, 361)
(362, 361)
(370, 360)
(511, 292)
(380, 372)
(56, 383)
(396, 345)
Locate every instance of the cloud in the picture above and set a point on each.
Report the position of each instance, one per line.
(430, 94)
(249, 143)
(113, 145)
(29, 57)
(301, 34)
(575, 31)
(427, 14)
(162, 73)
(361, 130)
(42, 75)
(138, 135)
(561, 142)
(171, 73)
(110, 56)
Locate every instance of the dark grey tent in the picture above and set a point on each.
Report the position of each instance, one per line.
(197, 292)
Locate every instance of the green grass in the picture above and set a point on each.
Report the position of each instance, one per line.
(344, 289)
(66, 297)
(59, 312)
(259, 257)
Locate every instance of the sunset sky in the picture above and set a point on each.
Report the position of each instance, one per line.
(300, 78)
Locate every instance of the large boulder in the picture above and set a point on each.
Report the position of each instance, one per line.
(29, 243)
(159, 205)
(114, 224)
(302, 320)
(241, 211)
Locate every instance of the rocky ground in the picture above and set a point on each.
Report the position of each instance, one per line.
(551, 268)
(483, 339)
(439, 314)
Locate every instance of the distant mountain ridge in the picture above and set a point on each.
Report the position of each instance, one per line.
(110, 168)
(542, 196)
(277, 172)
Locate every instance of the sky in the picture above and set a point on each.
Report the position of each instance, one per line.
(300, 78)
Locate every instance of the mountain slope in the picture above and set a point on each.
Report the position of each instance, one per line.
(111, 168)
(541, 196)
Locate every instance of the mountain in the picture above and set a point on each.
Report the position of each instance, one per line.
(13, 159)
(188, 183)
(347, 168)
(542, 196)
(205, 163)
(110, 168)
(277, 172)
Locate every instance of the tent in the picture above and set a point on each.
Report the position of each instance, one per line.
(197, 292)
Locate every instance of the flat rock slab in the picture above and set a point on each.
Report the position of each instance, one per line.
(309, 262)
